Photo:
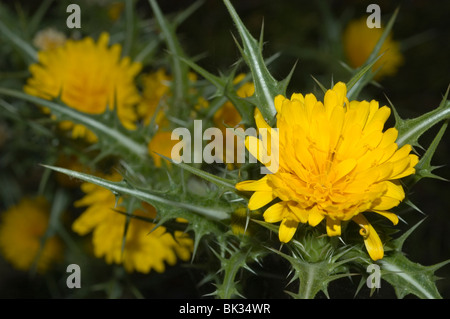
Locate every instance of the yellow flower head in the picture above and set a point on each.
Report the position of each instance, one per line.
(21, 231)
(145, 249)
(335, 162)
(115, 10)
(88, 77)
(156, 92)
(228, 116)
(161, 143)
(156, 86)
(359, 41)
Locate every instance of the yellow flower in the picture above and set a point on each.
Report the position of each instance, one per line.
(161, 143)
(156, 92)
(239, 222)
(88, 77)
(228, 116)
(145, 248)
(115, 10)
(335, 163)
(21, 231)
(49, 39)
(359, 42)
(156, 87)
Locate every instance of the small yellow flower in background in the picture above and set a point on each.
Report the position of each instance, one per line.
(240, 221)
(359, 41)
(156, 86)
(228, 116)
(21, 230)
(145, 249)
(89, 77)
(49, 39)
(335, 163)
(115, 10)
(161, 143)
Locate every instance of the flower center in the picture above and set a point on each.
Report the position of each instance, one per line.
(321, 186)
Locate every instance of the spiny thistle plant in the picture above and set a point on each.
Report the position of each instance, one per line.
(124, 189)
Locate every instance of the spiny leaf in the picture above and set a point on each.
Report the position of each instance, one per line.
(410, 130)
(408, 277)
(230, 266)
(397, 243)
(225, 87)
(269, 226)
(186, 13)
(359, 80)
(180, 71)
(424, 167)
(363, 76)
(129, 26)
(321, 86)
(154, 199)
(217, 180)
(120, 139)
(59, 205)
(266, 87)
(36, 19)
(25, 48)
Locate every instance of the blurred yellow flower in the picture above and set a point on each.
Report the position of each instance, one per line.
(145, 248)
(22, 229)
(89, 77)
(359, 42)
(161, 143)
(228, 116)
(115, 10)
(335, 163)
(156, 87)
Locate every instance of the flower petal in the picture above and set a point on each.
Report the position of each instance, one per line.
(344, 167)
(391, 216)
(259, 120)
(299, 213)
(288, 227)
(275, 213)
(260, 185)
(333, 227)
(315, 217)
(260, 199)
(372, 241)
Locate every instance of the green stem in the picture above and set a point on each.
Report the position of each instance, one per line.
(266, 87)
(129, 28)
(26, 48)
(422, 124)
(180, 84)
(117, 188)
(311, 279)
